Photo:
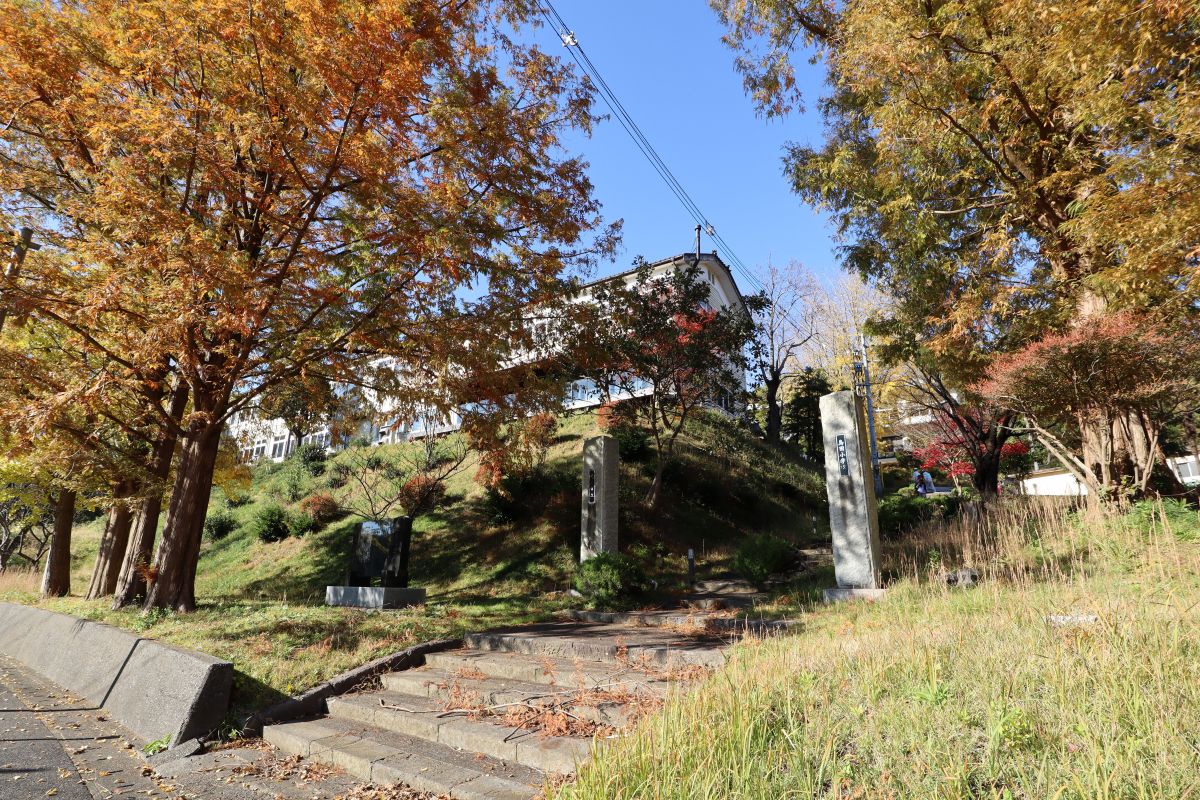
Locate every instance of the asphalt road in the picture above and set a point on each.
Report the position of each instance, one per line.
(34, 762)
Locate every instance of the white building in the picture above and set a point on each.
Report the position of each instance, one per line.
(1053, 480)
(270, 438)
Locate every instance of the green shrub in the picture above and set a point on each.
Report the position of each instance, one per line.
(294, 481)
(218, 525)
(633, 442)
(312, 457)
(235, 499)
(270, 524)
(611, 579)
(761, 556)
(519, 498)
(906, 509)
(300, 523)
(1177, 516)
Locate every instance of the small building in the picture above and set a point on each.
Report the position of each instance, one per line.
(1052, 482)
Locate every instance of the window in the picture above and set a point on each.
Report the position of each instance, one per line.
(1187, 469)
(277, 447)
(260, 449)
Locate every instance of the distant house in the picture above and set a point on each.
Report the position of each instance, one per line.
(1187, 468)
(1056, 481)
(260, 438)
(1053, 481)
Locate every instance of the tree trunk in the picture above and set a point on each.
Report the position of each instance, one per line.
(175, 562)
(56, 581)
(655, 493)
(112, 550)
(114, 542)
(132, 582)
(131, 585)
(987, 461)
(774, 411)
(987, 474)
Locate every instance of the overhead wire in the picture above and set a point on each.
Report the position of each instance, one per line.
(622, 115)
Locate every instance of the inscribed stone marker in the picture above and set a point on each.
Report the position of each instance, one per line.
(598, 520)
(853, 515)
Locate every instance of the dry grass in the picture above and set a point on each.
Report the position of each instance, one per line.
(19, 582)
(945, 692)
(1036, 539)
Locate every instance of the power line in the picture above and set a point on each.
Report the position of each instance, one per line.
(580, 56)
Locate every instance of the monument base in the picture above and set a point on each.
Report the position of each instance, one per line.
(841, 593)
(373, 597)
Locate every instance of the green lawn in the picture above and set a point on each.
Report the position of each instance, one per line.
(958, 693)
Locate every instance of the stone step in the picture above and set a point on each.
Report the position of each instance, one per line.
(608, 643)
(385, 757)
(600, 706)
(544, 670)
(686, 620)
(424, 718)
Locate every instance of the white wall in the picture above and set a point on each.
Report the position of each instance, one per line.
(1055, 483)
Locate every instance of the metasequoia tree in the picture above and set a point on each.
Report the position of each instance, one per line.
(26, 517)
(51, 425)
(654, 344)
(785, 324)
(233, 191)
(1003, 170)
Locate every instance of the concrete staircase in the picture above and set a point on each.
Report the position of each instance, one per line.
(499, 717)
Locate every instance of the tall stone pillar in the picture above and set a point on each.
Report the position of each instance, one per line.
(853, 511)
(598, 522)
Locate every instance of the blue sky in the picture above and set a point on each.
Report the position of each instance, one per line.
(667, 65)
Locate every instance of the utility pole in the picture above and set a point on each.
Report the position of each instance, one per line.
(22, 244)
(865, 366)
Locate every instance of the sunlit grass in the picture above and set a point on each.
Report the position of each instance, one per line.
(939, 692)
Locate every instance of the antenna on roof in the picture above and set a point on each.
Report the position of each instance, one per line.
(697, 244)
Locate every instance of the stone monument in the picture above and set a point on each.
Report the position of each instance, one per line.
(853, 512)
(379, 551)
(598, 522)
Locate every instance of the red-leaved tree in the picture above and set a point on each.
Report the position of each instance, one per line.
(1098, 396)
(657, 346)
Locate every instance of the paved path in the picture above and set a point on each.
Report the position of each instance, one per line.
(53, 744)
(56, 745)
(33, 759)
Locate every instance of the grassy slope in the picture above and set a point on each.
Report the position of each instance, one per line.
(484, 562)
(950, 693)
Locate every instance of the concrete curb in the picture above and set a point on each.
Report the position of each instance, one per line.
(312, 702)
(151, 688)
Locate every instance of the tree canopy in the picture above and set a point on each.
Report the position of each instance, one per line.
(226, 193)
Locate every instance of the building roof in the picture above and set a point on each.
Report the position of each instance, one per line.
(682, 258)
